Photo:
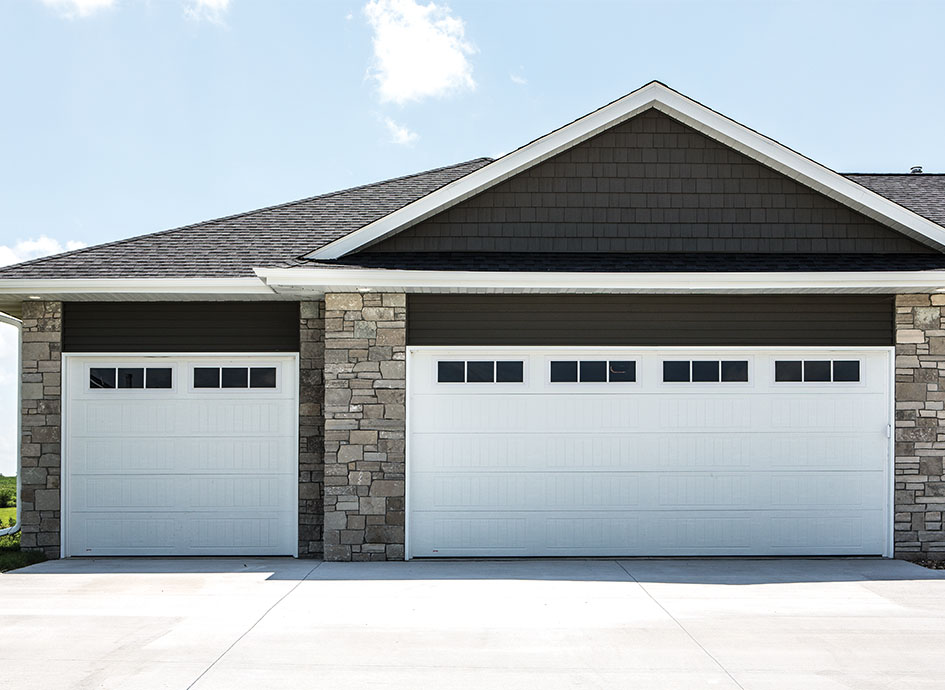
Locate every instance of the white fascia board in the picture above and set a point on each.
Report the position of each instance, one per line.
(118, 286)
(674, 104)
(300, 280)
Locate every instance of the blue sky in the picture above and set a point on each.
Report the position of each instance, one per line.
(123, 117)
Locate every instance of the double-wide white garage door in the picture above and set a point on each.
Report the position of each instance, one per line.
(556, 452)
(180, 455)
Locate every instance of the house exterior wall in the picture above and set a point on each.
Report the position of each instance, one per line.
(40, 460)
(920, 436)
(311, 428)
(365, 426)
(650, 184)
(628, 320)
(180, 327)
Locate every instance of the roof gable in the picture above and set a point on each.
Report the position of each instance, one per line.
(649, 184)
(659, 97)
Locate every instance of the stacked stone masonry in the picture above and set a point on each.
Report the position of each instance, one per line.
(311, 428)
(920, 416)
(365, 421)
(41, 420)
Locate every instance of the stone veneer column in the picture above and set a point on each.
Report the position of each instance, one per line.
(920, 436)
(365, 422)
(40, 443)
(311, 428)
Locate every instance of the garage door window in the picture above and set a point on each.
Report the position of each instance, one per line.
(593, 371)
(129, 377)
(817, 371)
(705, 371)
(480, 371)
(234, 377)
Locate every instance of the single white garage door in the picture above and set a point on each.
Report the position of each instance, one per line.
(560, 452)
(180, 455)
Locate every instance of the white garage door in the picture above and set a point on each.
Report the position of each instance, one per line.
(180, 455)
(553, 452)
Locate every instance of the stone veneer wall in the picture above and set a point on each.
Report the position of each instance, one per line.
(365, 424)
(920, 438)
(311, 428)
(41, 420)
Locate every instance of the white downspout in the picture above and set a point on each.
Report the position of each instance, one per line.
(16, 323)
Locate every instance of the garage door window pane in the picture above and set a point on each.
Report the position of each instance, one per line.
(158, 378)
(787, 371)
(846, 371)
(131, 378)
(234, 377)
(623, 371)
(450, 372)
(101, 378)
(509, 372)
(735, 371)
(206, 377)
(480, 372)
(703, 372)
(564, 372)
(675, 372)
(593, 372)
(262, 377)
(816, 371)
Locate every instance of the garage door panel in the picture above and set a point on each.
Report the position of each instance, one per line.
(576, 491)
(653, 451)
(180, 471)
(152, 454)
(206, 416)
(648, 468)
(695, 533)
(179, 534)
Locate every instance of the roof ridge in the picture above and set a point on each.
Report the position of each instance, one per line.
(74, 252)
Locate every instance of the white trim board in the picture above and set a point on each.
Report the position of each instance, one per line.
(659, 96)
(300, 281)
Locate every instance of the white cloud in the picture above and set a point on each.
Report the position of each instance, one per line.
(420, 51)
(518, 79)
(24, 250)
(400, 134)
(210, 10)
(78, 8)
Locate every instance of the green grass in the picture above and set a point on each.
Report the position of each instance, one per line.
(11, 560)
(11, 557)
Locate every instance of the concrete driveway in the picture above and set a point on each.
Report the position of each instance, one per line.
(220, 624)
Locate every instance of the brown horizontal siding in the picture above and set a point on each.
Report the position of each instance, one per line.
(180, 327)
(650, 184)
(639, 320)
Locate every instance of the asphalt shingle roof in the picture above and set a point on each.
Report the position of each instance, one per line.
(230, 247)
(924, 194)
(280, 235)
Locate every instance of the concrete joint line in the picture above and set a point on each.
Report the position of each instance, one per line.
(255, 623)
(681, 626)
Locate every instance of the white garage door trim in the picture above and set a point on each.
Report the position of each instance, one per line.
(669, 352)
(286, 359)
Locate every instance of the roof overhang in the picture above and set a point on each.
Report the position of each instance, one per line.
(14, 292)
(659, 96)
(302, 282)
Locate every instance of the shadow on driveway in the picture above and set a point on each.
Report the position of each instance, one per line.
(710, 571)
